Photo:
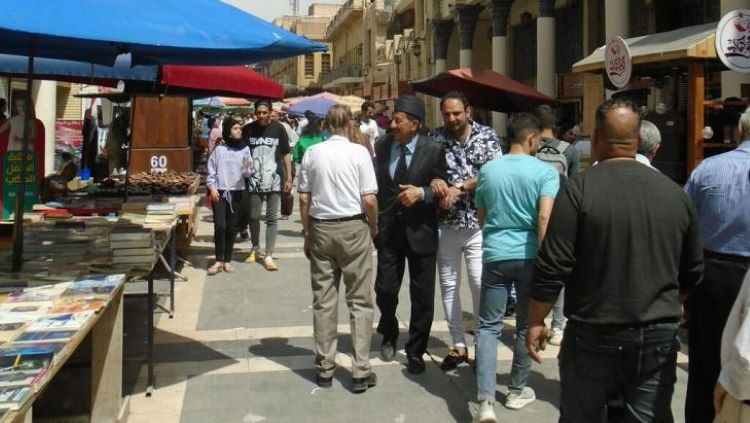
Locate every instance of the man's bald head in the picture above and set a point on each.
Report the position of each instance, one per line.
(617, 133)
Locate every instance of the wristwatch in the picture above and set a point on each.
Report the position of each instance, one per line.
(460, 186)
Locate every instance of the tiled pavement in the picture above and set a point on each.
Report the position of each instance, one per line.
(239, 349)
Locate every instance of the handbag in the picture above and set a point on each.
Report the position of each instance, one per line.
(287, 204)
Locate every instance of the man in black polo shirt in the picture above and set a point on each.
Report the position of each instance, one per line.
(624, 242)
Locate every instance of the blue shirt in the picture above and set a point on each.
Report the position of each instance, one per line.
(720, 190)
(396, 154)
(509, 189)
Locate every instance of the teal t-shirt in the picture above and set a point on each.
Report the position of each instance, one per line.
(508, 190)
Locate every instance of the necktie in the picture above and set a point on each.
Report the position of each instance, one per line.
(400, 174)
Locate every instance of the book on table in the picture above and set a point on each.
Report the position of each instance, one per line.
(15, 397)
(69, 321)
(32, 336)
(76, 305)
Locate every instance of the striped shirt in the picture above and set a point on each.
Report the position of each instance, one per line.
(720, 190)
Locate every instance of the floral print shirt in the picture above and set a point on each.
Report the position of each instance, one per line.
(464, 162)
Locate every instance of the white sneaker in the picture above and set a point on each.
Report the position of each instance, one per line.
(518, 400)
(486, 412)
(555, 336)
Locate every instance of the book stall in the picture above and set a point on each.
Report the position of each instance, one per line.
(676, 77)
(42, 325)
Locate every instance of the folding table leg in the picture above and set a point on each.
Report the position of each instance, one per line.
(150, 335)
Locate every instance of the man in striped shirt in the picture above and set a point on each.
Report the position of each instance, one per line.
(720, 190)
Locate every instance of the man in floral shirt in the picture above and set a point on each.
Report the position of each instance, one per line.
(468, 147)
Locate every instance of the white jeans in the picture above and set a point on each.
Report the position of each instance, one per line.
(452, 244)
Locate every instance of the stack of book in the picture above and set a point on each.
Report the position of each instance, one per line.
(160, 213)
(183, 205)
(132, 246)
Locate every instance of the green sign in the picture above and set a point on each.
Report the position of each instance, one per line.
(12, 165)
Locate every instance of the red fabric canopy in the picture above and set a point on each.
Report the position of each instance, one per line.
(229, 80)
(485, 89)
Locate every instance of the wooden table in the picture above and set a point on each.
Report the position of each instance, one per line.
(106, 365)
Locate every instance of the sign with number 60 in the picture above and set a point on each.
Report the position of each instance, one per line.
(158, 162)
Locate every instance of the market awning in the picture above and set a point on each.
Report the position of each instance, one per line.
(485, 89)
(692, 42)
(344, 80)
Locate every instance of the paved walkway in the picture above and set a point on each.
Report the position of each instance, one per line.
(240, 349)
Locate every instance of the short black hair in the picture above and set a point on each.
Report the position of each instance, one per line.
(367, 104)
(455, 95)
(266, 103)
(546, 116)
(520, 125)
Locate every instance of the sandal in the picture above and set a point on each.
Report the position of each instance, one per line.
(216, 268)
(228, 267)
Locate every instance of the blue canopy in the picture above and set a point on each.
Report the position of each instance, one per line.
(57, 69)
(319, 106)
(199, 32)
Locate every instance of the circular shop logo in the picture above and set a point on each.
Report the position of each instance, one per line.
(617, 62)
(733, 40)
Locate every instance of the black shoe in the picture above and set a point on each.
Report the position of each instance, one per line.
(414, 364)
(362, 384)
(324, 382)
(388, 349)
(453, 359)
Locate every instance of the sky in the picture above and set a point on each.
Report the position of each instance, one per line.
(270, 9)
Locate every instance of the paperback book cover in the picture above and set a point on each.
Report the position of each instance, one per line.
(17, 378)
(77, 305)
(30, 336)
(69, 321)
(15, 397)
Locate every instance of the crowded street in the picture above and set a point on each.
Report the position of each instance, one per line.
(240, 350)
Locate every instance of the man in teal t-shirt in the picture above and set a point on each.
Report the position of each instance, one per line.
(514, 198)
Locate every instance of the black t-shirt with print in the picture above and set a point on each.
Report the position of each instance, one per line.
(268, 144)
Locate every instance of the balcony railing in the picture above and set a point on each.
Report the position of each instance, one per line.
(350, 9)
(341, 72)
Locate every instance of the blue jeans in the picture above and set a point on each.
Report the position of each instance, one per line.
(618, 374)
(497, 280)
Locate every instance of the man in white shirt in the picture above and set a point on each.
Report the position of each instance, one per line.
(367, 124)
(339, 209)
(650, 143)
(732, 393)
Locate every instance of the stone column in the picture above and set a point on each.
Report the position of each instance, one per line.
(500, 11)
(442, 31)
(44, 94)
(545, 48)
(466, 18)
(730, 80)
(616, 18)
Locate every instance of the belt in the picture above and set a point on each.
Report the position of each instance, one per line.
(360, 216)
(599, 327)
(726, 257)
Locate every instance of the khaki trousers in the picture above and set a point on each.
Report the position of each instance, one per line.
(341, 247)
(733, 411)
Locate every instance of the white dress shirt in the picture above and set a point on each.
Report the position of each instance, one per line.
(735, 346)
(337, 173)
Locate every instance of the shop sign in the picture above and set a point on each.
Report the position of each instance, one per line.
(12, 162)
(733, 40)
(617, 62)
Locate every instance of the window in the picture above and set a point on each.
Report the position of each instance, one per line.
(325, 63)
(309, 65)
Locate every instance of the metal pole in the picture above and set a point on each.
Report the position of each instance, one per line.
(21, 193)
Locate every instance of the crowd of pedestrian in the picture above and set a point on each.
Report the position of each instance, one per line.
(617, 250)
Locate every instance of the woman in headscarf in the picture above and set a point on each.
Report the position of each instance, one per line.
(228, 166)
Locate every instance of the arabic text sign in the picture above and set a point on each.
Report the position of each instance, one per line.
(733, 40)
(617, 62)
(12, 165)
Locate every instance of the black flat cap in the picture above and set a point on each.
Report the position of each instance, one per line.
(411, 105)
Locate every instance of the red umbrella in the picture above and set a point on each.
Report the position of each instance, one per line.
(485, 89)
(217, 80)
